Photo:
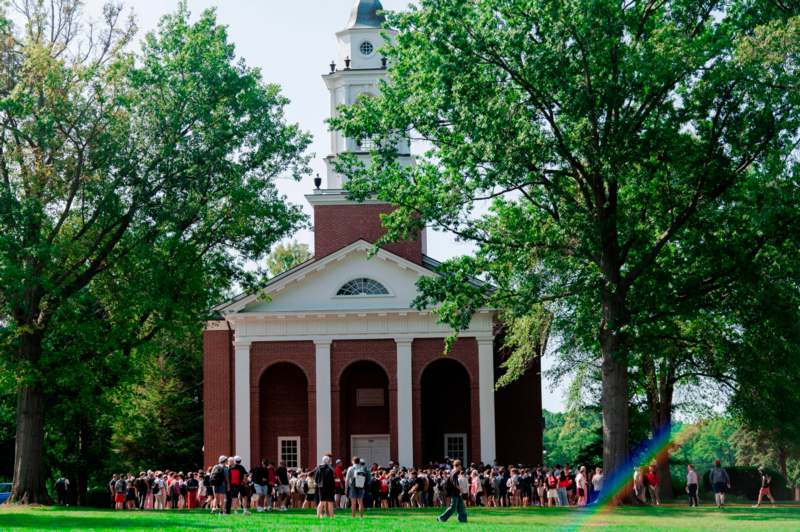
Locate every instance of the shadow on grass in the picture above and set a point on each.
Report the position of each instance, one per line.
(61, 521)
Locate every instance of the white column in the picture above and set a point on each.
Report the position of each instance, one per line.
(486, 397)
(241, 382)
(323, 375)
(405, 425)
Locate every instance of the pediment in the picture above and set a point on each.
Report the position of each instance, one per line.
(315, 286)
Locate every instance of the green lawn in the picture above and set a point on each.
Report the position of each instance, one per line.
(663, 518)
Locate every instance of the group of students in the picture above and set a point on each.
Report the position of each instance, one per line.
(228, 486)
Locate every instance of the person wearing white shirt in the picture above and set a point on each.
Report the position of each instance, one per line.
(692, 482)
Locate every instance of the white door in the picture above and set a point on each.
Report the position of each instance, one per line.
(371, 448)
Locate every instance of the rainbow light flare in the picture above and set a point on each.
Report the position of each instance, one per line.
(621, 480)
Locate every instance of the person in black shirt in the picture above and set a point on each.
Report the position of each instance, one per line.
(282, 487)
(325, 487)
(261, 484)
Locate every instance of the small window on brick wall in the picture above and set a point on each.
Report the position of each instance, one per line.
(289, 450)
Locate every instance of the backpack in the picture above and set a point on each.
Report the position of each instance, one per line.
(359, 478)
(155, 487)
(217, 476)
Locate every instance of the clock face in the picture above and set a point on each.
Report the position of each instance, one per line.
(366, 48)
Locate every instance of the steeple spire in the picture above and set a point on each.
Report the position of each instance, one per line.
(366, 14)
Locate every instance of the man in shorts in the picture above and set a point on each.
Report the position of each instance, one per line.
(282, 485)
(237, 488)
(720, 482)
(261, 484)
(357, 479)
(218, 478)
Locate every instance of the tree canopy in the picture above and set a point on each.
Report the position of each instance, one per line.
(587, 148)
(134, 188)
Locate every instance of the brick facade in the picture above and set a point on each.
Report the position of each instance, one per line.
(337, 226)
(343, 354)
(465, 351)
(286, 419)
(217, 394)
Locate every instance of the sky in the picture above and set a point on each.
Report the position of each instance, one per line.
(293, 42)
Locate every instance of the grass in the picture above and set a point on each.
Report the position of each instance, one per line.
(669, 517)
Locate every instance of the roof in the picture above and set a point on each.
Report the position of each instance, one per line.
(366, 14)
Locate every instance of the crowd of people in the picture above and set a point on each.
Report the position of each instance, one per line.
(229, 487)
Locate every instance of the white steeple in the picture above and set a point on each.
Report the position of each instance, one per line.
(357, 71)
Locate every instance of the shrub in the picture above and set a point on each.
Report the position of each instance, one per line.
(746, 481)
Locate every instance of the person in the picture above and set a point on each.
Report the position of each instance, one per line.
(236, 487)
(597, 484)
(356, 479)
(692, 482)
(272, 480)
(192, 487)
(260, 483)
(766, 487)
(325, 487)
(120, 489)
(638, 485)
(62, 488)
(130, 493)
(721, 482)
(652, 485)
(141, 489)
(453, 489)
(582, 484)
(218, 474)
(563, 484)
(338, 478)
(282, 486)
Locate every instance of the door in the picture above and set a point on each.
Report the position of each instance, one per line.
(371, 448)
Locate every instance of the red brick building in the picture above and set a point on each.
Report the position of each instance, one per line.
(331, 356)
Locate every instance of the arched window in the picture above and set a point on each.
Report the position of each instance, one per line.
(362, 287)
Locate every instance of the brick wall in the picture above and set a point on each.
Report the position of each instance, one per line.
(282, 418)
(217, 395)
(426, 351)
(336, 226)
(518, 415)
(343, 354)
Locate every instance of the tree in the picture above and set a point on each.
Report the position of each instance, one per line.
(112, 162)
(598, 134)
(284, 257)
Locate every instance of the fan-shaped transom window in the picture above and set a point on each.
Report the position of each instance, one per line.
(363, 287)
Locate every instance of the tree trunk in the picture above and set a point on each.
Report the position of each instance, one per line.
(615, 405)
(797, 493)
(29, 479)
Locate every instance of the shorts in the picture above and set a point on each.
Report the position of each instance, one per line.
(719, 487)
(219, 490)
(237, 490)
(552, 493)
(119, 498)
(311, 497)
(282, 489)
(356, 493)
(261, 490)
(339, 490)
(765, 491)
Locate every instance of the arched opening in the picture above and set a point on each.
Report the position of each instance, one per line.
(446, 427)
(365, 413)
(283, 413)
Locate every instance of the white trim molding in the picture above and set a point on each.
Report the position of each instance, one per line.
(323, 408)
(241, 384)
(486, 399)
(405, 420)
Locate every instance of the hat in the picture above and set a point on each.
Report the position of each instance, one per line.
(326, 459)
(237, 459)
(718, 463)
(222, 458)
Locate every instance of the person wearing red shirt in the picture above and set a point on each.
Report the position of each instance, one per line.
(338, 486)
(272, 480)
(652, 485)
